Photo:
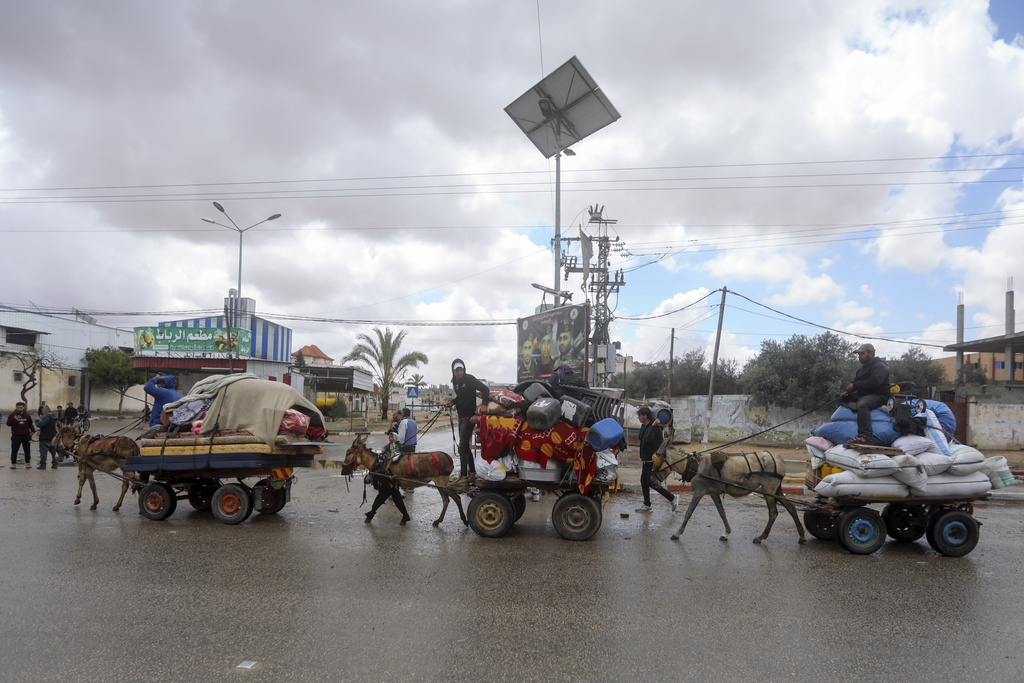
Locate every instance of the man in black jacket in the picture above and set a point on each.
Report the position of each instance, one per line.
(868, 391)
(466, 387)
(651, 438)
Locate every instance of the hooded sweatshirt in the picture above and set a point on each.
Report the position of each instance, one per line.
(465, 391)
(161, 395)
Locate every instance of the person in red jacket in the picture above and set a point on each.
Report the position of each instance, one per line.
(21, 434)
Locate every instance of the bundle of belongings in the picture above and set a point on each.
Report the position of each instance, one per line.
(545, 436)
(237, 421)
(914, 458)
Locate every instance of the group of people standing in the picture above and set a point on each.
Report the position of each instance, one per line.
(23, 427)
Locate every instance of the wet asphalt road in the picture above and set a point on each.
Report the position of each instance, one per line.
(314, 594)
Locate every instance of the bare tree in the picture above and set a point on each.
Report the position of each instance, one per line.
(31, 364)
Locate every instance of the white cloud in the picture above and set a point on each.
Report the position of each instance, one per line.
(804, 290)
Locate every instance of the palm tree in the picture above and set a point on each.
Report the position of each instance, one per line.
(381, 357)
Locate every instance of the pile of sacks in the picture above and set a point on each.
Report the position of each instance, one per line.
(546, 433)
(929, 466)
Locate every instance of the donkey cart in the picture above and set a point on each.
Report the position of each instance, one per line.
(947, 522)
(197, 471)
(948, 525)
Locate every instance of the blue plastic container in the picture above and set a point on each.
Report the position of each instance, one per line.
(663, 417)
(604, 434)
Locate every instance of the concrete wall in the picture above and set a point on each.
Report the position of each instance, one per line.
(736, 416)
(995, 426)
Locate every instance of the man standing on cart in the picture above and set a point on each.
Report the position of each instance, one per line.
(868, 391)
(466, 387)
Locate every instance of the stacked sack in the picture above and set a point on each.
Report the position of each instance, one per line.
(929, 467)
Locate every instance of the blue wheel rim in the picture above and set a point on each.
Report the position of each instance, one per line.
(954, 534)
(863, 532)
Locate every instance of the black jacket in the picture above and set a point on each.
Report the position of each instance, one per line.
(650, 440)
(872, 378)
(465, 394)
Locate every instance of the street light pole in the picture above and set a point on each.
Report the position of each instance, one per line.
(241, 232)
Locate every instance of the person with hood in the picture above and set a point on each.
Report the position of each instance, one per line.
(47, 426)
(868, 390)
(161, 388)
(466, 388)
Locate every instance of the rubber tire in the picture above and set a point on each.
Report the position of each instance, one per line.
(954, 533)
(861, 530)
(200, 494)
(491, 514)
(820, 525)
(232, 504)
(576, 517)
(904, 523)
(157, 501)
(274, 502)
(519, 506)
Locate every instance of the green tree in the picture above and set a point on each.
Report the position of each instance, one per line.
(112, 367)
(801, 372)
(917, 367)
(300, 360)
(380, 355)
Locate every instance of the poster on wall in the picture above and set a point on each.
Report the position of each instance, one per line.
(150, 341)
(548, 339)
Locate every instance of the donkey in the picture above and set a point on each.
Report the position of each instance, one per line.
(411, 470)
(106, 454)
(736, 474)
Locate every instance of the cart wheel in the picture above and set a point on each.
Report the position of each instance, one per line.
(232, 504)
(272, 500)
(953, 533)
(491, 514)
(820, 525)
(200, 494)
(905, 523)
(861, 530)
(519, 506)
(157, 501)
(576, 517)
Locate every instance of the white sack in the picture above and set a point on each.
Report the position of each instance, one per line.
(966, 460)
(866, 465)
(934, 431)
(848, 484)
(911, 472)
(912, 444)
(934, 462)
(947, 485)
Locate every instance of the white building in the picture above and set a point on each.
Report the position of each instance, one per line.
(62, 342)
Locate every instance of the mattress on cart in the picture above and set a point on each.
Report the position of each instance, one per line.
(222, 456)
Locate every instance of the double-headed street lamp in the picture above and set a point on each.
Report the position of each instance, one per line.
(241, 232)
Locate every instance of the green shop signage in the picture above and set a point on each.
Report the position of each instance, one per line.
(150, 341)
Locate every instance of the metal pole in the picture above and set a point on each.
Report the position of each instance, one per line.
(711, 382)
(558, 224)
(240, 233)
(671, 358)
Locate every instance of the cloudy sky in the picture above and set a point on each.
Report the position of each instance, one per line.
(851, 165)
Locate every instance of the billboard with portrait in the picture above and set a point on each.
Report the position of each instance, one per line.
(550, 338)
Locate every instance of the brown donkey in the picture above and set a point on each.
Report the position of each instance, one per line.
(411, 470)
(106, 454)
